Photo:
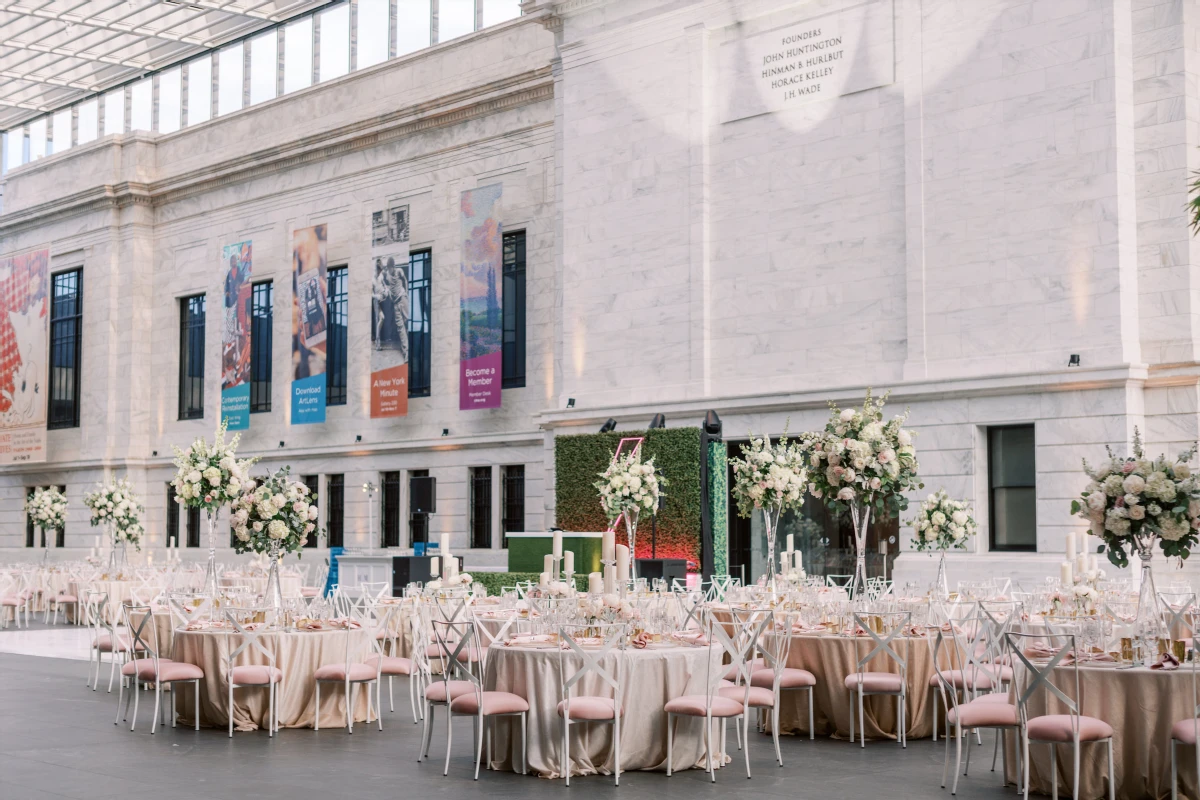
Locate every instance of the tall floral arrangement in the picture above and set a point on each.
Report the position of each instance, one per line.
(115, 504)
(1133, 501)
(769, 476)
(277, 515)
(942, 523)
(629, 485)
(47, 507)
(210, 476)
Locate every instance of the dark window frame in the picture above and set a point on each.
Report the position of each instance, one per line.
(389, 509)
(262, 340)
(335, 511)
(172, 515)
(512, 520)
(191, 352)
(193, 526)
(313, 482)
(30, 528)
(480, 508)
(66, 344)
(513, 302)
(337, 363)
(991, 489)
(420, 326)
(418, 524)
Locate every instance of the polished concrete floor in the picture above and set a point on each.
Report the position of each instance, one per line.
(57, 740)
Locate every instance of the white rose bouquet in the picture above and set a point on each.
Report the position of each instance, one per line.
(859, 458)
(47, 508)
(629, 485)
(1130, 498)
(770, 476)
(209, 476)
(943, 523)
(116, 504)
(276, 516)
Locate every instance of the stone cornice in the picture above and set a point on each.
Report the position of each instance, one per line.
(533, 86)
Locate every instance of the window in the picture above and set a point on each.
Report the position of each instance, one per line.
(14, 148)
(391, 509)
(513, 300)
(60, 534)
(1011, 488)
(66, 334)
(170, 97)
(313, 482)
(193, 526)
(513, 500)
(191, 357)
(261, 320)
(335, 42)
(89, 114)
(62, 131)
(37, 139)
(372, 39)
(455, 18)
(495, 11)
(199, 104)
(264, 62)
(336, 353)
(418, 524)
(335, 510)
(481, 507)
(298, 55)
(30, 528)
(172, 516)
(114, 111)
(420, 298)
(230, 65)
(413, 25)
(141, 105)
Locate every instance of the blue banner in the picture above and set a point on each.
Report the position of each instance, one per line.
(235, 407)
(308, 400)
(332, 578)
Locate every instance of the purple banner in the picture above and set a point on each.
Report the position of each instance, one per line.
(480, 321)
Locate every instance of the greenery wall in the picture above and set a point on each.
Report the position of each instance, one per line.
(579, 460)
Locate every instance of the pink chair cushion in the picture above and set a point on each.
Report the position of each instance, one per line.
(11, 600)
(104, 644)
(992, 698)
(337, 672)
(168, 671)
(759, 697)
(309, 591)
(979, 713)
(1057, 728)
(1184, 731)
(755, 665)
(493, 703)
(693, 705)
(256, 675)
(972, 679)
(394, 665)
(436, 691)
(469, 654)
(875, 681)
(589, 708)
(789, 678)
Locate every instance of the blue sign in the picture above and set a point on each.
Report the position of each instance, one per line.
(332, 579)
(235, 407)
(308, 400)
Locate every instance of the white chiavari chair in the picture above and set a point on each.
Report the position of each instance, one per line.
(864, 682)
(351, 673)
(575, 663)
(152, 668)
(104, 639)
(244, 623)
(777, 677)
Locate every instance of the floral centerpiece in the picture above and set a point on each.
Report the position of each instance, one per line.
(274, 517)
(941, 524)
(461, 579)
(627, 487)
(769, 478)
(47, 507)
(860, 464)
(115, 506)
(1134, 502)
(209, 476)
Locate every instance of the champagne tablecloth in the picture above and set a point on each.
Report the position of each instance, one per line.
(119, 593)
(1141, 704)
(652, 677)
(289, 583)
(830, 659)
(298, 654)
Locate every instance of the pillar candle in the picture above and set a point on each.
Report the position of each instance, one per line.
(595, 583)
(445, 544)
(150, 557)
(799, 561)
(791, 542)
(544, 579)
(548, 564)
(1080, 564)
(622, 564)
(1083, 542)
(784, 559)
(97, 541)
(1064, 573)
(608, 542)
(569, 562)
(1093, 564)
(435, 566)
(610, 579)
(557, 544)
(451, 568)
(1071, 542)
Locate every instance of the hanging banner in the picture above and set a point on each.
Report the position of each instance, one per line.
(389, 312)
(24, 351)
(480, 310)
(310, 324)
(235, 337)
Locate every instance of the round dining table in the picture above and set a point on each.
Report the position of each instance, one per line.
(298, 654)
(652, 676)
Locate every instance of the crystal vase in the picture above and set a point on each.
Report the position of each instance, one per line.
(771, 524)
(1148, 625)
(273, 593)
(860, 515)
(210, 573)
(941, 584)
(631, 521)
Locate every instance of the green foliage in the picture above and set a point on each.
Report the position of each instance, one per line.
(495, 581)
(579, 459)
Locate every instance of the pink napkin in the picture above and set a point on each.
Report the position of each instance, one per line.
(641, 640)
(1039, 650)
(528, 639)
(855, 631)
(1168, 662)
(345, 622)
(695, 638)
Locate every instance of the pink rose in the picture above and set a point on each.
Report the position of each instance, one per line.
(1128, 467)
(208, 498)
(1120, 501)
